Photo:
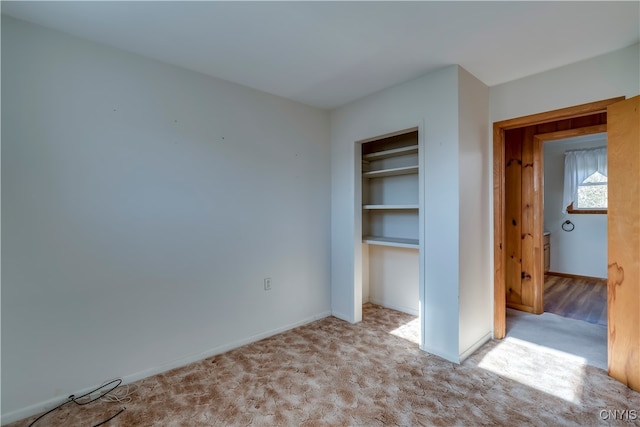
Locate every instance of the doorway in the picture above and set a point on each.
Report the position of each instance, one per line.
(575, 236)
(519, 201)
(567, 320)
(518, 226)
(388, 193)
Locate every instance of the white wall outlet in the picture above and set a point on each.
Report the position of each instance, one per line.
(267, 284)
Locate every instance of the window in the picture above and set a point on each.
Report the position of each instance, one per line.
(585, 181)
(592, 195)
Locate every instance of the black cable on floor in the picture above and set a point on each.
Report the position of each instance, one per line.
(74, 399)
(117, 382)
(50, 411)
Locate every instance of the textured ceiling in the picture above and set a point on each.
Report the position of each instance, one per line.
(326, 54)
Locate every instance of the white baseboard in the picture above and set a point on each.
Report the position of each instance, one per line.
(342, 316)
(459, 358)
(450, 357)
(408, 310)
(48, 404)
(468, 352)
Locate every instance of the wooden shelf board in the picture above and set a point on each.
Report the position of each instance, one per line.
(391, 241)
(406, 170)
(389, 207)
(412, 149)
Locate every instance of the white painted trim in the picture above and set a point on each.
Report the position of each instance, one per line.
(46, 405)
(422, 236)
(454, 358)
(357, 234)
(403, 309)
(468, 352)
(342, 316)
(388, 135)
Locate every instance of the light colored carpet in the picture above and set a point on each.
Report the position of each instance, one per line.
(584, 340)
(332, 373)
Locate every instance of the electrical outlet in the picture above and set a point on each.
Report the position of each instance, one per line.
(267, 284)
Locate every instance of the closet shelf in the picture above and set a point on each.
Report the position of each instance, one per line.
(391, 241)
(406, 170)
(412, 149)
(389, 207)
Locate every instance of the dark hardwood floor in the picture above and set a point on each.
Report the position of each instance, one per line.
(582, 299)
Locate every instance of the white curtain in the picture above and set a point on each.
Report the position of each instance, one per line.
(578, 166)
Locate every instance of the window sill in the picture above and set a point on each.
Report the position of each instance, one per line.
(573, 211)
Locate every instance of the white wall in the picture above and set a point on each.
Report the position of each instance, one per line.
(476, 288)
(142, 206)
(394, 278)
(366, 286)
(432, 103)
(582, 251)
(605, 76)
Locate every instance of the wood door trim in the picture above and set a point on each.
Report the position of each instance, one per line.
(521, 307)
(570, 133)
(560, 114)
(499, 128)
(538, 225)
(573, 276)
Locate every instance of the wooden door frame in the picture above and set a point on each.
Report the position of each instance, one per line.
(499, 231)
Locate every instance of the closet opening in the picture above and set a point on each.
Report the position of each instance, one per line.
(390, 212)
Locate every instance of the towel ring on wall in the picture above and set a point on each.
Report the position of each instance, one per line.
(567, 224)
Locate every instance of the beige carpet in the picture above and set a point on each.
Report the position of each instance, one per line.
(333, 373)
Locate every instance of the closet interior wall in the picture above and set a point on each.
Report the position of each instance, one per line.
(390, 215)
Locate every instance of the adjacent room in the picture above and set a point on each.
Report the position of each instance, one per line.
(289, 213)
(575, 251)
